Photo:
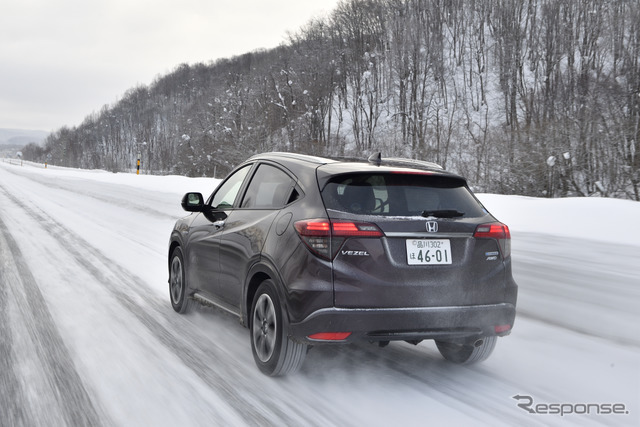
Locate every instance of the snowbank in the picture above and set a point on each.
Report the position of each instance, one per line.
(600, 219)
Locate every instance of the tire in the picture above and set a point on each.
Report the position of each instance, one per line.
(467, 354)
(180, 300)
(273, 351)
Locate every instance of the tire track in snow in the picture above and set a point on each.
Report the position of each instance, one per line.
(61, 379)
(445, 382)
(198, 358)
(255, 407)
(134, 204)
(11, 394)
(180, 340)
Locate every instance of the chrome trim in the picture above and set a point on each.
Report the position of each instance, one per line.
(426, 235)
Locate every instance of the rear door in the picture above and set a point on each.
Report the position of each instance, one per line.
(428, 255)
(247, 227)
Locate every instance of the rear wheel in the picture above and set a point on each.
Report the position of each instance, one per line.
(180, 300)
(467, 354)
(273, 351)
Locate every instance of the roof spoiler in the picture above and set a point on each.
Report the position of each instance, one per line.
(377, 160)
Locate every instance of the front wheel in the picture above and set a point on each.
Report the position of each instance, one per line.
(273, 351)
(467, 354)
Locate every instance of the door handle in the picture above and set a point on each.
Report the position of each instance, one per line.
(218, 224)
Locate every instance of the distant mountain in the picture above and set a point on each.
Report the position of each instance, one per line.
(21, 137)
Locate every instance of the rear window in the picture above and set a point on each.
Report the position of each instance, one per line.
(399, 195)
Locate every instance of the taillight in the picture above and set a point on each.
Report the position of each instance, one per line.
(355, 229)
(316, 235)
(325, 237)
(412, 172)
(498, 231)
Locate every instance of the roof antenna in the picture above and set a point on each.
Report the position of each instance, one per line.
(375, 159)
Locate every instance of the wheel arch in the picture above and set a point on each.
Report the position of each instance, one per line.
(258, 273)
(172, 245)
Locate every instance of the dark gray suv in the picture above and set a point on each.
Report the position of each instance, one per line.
(308, 251)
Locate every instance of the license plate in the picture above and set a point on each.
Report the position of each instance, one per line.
(428, 252)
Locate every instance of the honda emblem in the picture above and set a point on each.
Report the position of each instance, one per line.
(432, 226)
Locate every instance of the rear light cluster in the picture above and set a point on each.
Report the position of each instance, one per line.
(498, 231)
(325, 237)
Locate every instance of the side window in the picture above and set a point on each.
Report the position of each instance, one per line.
(268, 189)
(226, 194)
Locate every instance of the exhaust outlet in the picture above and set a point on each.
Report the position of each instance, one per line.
(478, 343)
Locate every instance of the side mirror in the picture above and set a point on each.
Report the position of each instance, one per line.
(193, 202)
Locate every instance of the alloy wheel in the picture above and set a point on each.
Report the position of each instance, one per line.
(265, 328)
(176, 283)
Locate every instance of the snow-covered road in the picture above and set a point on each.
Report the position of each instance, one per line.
(88, 336)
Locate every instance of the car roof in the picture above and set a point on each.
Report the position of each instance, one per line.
(304, 158)
(342, 165)
(375, 160)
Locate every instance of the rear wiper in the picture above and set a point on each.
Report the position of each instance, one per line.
(443, 213)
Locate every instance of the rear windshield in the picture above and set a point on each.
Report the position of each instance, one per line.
(400, 195)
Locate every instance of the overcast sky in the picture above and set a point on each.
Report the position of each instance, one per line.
(61, 60)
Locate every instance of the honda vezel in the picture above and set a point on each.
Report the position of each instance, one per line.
(309, 251)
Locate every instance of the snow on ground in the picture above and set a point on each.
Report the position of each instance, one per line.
(585, 251)
(89, 336)
(599, 219)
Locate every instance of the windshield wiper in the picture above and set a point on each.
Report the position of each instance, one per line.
(443, 213)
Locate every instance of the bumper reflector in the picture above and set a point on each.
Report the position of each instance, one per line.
(330, 336)
(501, 328)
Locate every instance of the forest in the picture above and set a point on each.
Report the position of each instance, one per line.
(531, 97)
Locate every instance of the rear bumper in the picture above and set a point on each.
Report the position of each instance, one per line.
(461, 323)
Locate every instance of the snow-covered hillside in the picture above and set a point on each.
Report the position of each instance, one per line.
(89, 337)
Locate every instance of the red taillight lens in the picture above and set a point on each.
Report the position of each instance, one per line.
(316, 235)
(320, 228)
(321, 236)
(498, 231)
(355, 229)
(411, 173)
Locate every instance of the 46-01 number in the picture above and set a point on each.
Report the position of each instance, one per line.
(440, 256)
(420, 252)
